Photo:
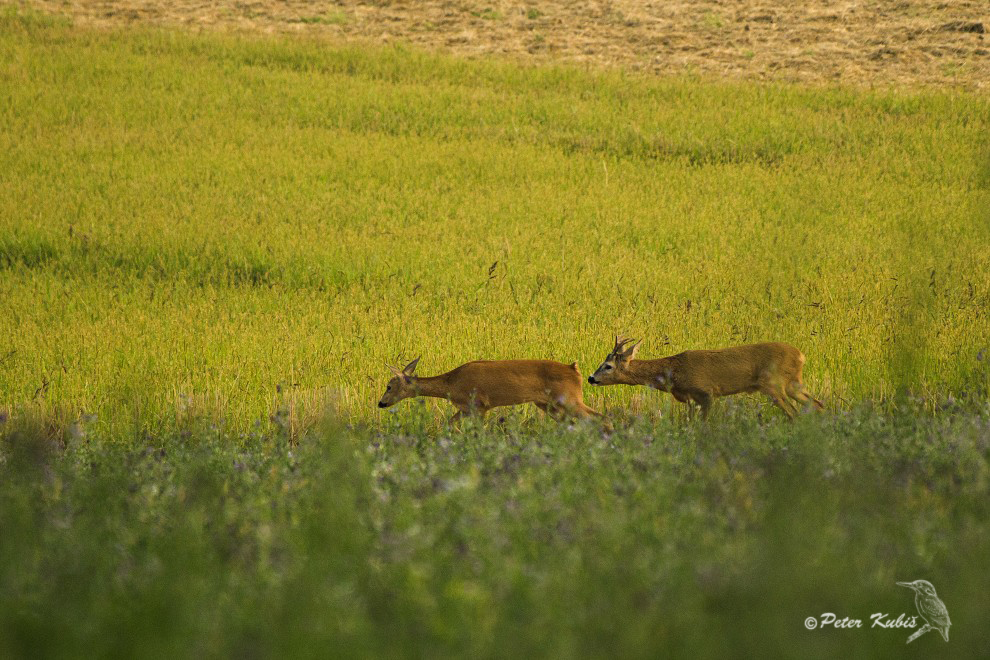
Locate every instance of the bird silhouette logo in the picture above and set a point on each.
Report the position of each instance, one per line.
(931, 609)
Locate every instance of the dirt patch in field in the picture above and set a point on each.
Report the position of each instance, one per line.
(880, 42)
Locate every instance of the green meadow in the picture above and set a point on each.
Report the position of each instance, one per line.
(213, 220)
(211, 245)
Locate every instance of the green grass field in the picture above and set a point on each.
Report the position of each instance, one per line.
(203, 219)
(210, 246)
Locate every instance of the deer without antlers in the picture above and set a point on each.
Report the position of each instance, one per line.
(699, 376)
(477, 387)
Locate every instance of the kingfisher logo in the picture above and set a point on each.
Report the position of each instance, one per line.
(930, 608)
(931, 611)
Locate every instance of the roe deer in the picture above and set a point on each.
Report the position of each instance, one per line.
(477, 387)
(700, 376)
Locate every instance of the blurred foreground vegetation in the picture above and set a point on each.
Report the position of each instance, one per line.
(660, 540)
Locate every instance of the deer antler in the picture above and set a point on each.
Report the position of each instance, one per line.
(620, 343)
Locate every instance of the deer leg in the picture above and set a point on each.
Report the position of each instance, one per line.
(781, 402)
(771, 385)
(797, 391)
(468, 411)
(704, 400)
(549, 409)
(574, 406)
(584, 411)
(684, 398)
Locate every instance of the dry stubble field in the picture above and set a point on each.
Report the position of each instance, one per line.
(904, 43)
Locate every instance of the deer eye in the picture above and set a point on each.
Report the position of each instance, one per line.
(388, 388)
(607, 367)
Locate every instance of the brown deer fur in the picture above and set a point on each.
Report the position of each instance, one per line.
(700, 376)
(477, 387)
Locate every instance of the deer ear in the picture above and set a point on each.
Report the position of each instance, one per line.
(395, 371)
(631, 353)
(411, 367)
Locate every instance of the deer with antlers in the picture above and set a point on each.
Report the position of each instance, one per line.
(477, 387)
(698, 377)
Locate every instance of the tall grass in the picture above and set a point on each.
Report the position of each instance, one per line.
(237, 226)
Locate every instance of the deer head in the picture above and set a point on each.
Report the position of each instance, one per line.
(612, 370)
(402, 386)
